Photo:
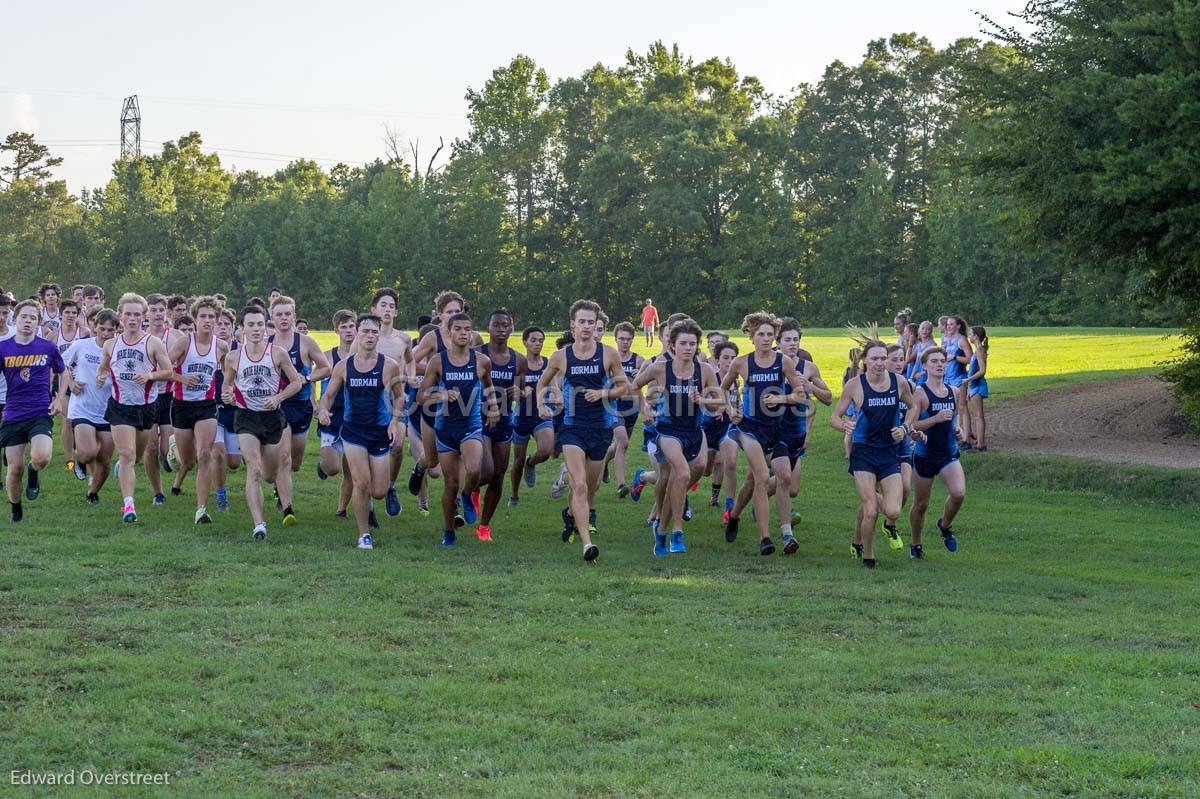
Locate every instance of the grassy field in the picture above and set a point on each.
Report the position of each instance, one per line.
(1054, 654)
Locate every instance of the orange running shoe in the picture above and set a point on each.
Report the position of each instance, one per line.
(483, 533)
(694, 486)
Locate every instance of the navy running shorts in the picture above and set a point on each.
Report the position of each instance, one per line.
(929, 468)
(690, 441)
(298, 414)
(373, 438)
(450, 439)
(879, 461)
(594, 441)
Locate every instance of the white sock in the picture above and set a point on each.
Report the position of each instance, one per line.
(786, 529)
(128, 500)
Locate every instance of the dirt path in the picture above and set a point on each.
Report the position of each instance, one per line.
(1129, 420)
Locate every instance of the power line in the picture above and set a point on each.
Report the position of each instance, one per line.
(251, 105)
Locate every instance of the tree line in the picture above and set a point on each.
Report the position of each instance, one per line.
(1042, 177)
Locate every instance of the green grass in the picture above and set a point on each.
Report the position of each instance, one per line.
(1054, 654)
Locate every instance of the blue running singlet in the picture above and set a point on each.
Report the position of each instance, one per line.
(878, 414)
(305, 393)
(940, 442)
(466, 413)
(680, 413)
(762, 381)
(584, 374)
(364, 396)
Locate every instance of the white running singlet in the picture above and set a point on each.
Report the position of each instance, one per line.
(127, 362)
(203, 365)
(256, 380)
(83, 359)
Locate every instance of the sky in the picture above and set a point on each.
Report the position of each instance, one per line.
(265, 83)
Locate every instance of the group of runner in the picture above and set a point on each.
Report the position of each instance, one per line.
(181, 385)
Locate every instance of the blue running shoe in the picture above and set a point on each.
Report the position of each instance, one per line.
(365, 541)
(677, 542)
(916, 552)
(948, 537)
(660, 543)
(468, 506)
(391, 502)
(635, 490)
(447, 538)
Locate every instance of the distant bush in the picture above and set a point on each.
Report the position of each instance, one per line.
(1184, 374)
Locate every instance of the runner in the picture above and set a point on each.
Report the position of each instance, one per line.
(69, 331)
(28, 363)
(197, 357)
(396, 345)
(877, 429)
(448, 304)
(977, 387)
(507, 373)
(158, 443)
(371, 422)
(227, 451)
(528, 424)
(49, 320)
(332, 456)
(958, 356)
(177, 308)
(937, 456)
(591, 379)
(722, 450)
(93, 296)
(254, 378)
(627, 408)
(418, 481)
(87, 401)
(766, 376)
(686, 386)
(7, 331)
(649, 321)
(311, 364)
(459, 380)
(792, 444)
(135, 360)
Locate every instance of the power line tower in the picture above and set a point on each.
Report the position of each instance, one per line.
(131, 128)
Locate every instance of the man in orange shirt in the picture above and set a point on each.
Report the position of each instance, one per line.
(649, 322)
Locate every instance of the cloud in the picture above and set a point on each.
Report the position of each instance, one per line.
(23, 111)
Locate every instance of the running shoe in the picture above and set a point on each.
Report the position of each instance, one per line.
(80, 470)
(558, 487)
(278, 501)
(661, 550)
(513, 502)
(223, 504)
(18, 513)
(856, 551)
(915, 552)
(893, 536)
(159, 499)
(259, 533)
(341, 514)
(176, 491)
(869, 563)
(592, 521)
(677, 544)
(725, 516)
(33, 485)
(129, 514)
(447, 538)
(483, 533)
(459, 521)
(568, 533)
(172, 452)
(91, 499)
(468, 507)
(715, 498)
(391, 502)
(790, 545)
(635, 490)
(694, 486)
(321, 473)
(604, 477)
(590, 553)
(423, 508)
(687, 509)
(529, 473)
(164, 463)
(622, 491)
(415, 478)
(766, 547)
(202, 516)
(365, 541)
(795, 518)
(947, 537)
(372, 519)
(731, 528)
(289, 516)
